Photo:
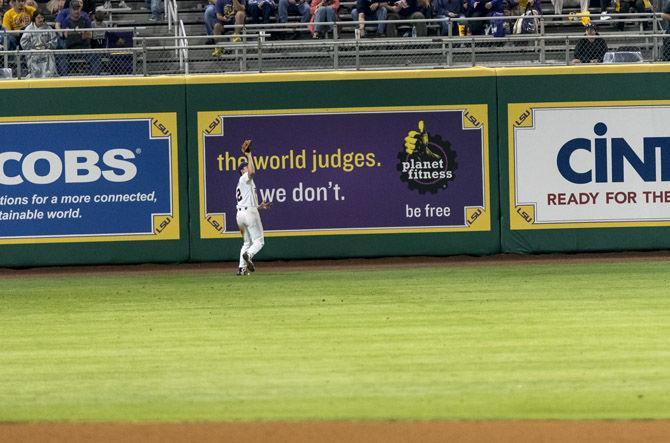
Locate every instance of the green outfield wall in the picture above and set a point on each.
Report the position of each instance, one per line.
(370, 207)
(584, 158)
(93, 171)
(356, 164)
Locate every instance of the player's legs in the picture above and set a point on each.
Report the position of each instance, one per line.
(255, 230)
(245, 247)
(256, 246)
(243, 223)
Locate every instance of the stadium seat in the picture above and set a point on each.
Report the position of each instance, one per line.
(120, 62)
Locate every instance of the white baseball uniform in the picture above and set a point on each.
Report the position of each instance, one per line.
(248, 218)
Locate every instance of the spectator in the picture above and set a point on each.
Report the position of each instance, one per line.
(2, 13)
(73, 38)
(558, 6)
(120, 59)
(61, 17)
(299, 7)
(323, 11)
(373, 10)
(156, 7)
(99, 22)
(54, 7)
(75, 18)
(482, 8)
(17, 18)
(63, 14)
(604, 4)
(229, 12)
(632, 7)
(591, 48)
(210, 19)
(43, 64)
(409, 10)
(528, 24)
(448, 9)
(522, 6)
(89, 6)
(259, 11)
(40, 5)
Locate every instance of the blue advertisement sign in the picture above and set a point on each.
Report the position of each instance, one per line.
(88, 178)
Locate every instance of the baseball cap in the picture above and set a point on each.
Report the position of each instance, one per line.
(243, 164)
(76, 4)
(591, 26)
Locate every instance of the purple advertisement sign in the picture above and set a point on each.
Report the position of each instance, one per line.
(350, 171)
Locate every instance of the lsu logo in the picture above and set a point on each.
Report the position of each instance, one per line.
(608, 160)
(76, 166)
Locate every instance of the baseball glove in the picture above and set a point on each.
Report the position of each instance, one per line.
(246, 146)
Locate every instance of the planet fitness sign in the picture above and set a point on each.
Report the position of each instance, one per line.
(88, 178)
(350, 171)
(587, 165)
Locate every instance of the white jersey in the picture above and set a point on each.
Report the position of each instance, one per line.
(246, 192)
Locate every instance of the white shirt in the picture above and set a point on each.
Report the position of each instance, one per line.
(246, 192)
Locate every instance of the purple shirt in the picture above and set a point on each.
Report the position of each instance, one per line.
(62, 16)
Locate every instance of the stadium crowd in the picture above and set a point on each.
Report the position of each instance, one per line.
(223, 15)
(61, 24)
(226, 13)
(72, 24)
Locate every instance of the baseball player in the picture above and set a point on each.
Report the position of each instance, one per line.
(248, 218)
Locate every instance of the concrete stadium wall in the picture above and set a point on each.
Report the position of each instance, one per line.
(513, 160)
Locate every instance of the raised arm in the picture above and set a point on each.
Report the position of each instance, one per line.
(251, 170)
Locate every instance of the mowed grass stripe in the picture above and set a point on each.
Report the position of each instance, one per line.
(577, 341)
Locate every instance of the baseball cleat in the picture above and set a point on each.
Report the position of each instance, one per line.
(250, 264)
(242, 271)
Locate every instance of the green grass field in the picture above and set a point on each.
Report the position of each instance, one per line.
(577, 341)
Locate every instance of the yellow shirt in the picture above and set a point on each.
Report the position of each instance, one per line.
(16, 21)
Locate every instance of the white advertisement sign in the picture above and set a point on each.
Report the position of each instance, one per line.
(589, 165)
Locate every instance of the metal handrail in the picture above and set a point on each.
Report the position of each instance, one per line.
(171, 14)
(7, 54)
(60, 30)
(26, 54)
(570, 19)
(183, 45)
(257, 52)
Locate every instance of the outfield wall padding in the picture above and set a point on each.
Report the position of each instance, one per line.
(584, 158)
(94, 171)
(370, 207)
(357, 164)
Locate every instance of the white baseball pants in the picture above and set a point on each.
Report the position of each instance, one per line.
(249, 221)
